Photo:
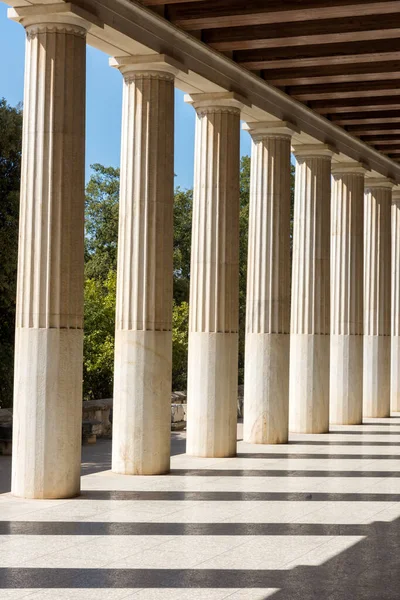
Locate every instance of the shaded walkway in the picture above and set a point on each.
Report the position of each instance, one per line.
(317, 518)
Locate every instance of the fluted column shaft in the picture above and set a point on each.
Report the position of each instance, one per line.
(266, 382)
(395, 338)
(347, 259)
(49, 318)
(377, 273)
(143, 341)
(310, 310)
(214, 290)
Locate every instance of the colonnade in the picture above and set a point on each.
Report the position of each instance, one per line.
(319, 341)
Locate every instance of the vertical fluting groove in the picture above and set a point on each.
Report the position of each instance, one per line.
(49, 314)
(310, 306)
(142, 381)
(214, 289)
(347, 254)
(266, 386)
(395, 322)
(145, 269)
(377, 271)
(395, 301)
(50, 272)
(311, 285)
(215, 261)
(269, 231)
(347, 261)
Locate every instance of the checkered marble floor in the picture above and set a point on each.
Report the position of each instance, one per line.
(318, 518)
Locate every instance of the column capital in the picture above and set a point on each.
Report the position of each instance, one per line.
(396, 196)
(270, 129)
(313, 151)
(54, 17)
(379, 183)
(349, 168)
(217, 102)
(147, 64)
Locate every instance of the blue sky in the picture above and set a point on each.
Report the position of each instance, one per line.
(103, 104)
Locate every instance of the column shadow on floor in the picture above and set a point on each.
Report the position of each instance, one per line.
(95, 458)
(227, 496)
(280, 473)
(367, 570)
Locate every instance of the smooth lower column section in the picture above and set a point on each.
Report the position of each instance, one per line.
(49, 321)
(377, 274)
(214, 290)
(347, 252)
(266, 383)
(395, 338)
(143, 341)
(310, 310)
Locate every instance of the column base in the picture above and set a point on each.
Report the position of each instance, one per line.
(142, 403)
(346, 380)
(376, 380)
(47, 428)
(309, 383)
(266, 388)
(212, 394)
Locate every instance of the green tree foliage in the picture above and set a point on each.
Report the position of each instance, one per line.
(180, 330)
(243, 229)
(10, 168)
(101, 222)
(182, 243)
(101, 244)
(98, 345)
(102, 195)
(245, 166)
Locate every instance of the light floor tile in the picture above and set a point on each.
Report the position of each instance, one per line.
(258, 594)
(82, 594)
(331, 518)
(181, 594)
(344, 512)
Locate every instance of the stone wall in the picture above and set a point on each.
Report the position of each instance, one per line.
(98, 412)
(5, 431)
(97, 417)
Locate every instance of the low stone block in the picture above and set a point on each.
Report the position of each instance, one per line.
(5, 438)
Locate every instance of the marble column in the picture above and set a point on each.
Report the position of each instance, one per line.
(347, 260)
(266, 378)
(46, 457)
(377, 273)
(143, 339)
(214, 289)
(395, 338)
(310, 307)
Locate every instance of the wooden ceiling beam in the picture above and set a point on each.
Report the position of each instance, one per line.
(387, 147)
(381, 140)
(339, 110)
(374, 134)
(160, 2)
(345, 90)
(300, 79)
(365, 119)
(318, 54)
(212, 15)
(380, 128)
(320, 61)
(329, 32)
(323, 52)
(351, 68)
(364, 104)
